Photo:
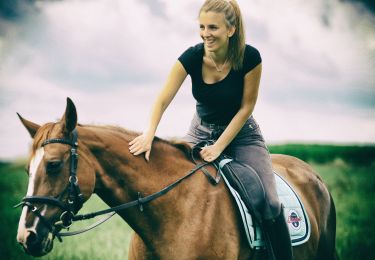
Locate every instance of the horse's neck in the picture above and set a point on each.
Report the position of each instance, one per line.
(194, 209)
(121, 175)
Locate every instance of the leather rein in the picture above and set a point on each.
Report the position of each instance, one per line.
(75, 198)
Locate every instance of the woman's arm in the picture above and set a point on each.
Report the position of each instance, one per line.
(250, 95)
(175, 79)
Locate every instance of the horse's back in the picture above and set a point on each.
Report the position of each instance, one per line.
(318, 203)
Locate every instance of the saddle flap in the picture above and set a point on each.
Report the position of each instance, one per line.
(247, 183)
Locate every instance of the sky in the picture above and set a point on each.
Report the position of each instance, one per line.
(112, 57)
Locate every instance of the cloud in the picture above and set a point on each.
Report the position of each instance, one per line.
(112, 58)
(312, 61)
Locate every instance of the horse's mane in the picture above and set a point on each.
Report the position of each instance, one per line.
(174, 142)
(45, 129)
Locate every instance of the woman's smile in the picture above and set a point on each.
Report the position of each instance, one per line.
(213, 30)
(209, 42)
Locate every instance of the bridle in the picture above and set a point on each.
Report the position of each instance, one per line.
(75, 198)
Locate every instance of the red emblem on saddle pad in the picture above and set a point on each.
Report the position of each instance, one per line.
(294, 219)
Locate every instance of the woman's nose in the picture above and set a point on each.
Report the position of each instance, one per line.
(205, 33)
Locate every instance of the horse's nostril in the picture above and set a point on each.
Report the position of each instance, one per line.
(31, 238)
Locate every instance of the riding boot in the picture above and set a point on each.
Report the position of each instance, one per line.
(277, 232)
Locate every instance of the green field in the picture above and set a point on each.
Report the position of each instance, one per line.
(349, 172)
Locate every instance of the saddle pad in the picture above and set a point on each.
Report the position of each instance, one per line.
(294, 213)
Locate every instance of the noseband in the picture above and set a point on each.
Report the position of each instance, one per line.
(75, 198)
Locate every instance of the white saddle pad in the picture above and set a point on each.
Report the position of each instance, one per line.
(294, 213)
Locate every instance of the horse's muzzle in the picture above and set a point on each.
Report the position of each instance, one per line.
(35, 245)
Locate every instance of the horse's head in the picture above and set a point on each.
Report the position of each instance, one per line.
(57, 186)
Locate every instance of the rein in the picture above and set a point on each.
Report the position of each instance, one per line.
(75, 198)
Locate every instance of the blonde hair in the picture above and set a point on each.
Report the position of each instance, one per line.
(233, 17)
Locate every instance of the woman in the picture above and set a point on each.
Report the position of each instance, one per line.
(225, 75)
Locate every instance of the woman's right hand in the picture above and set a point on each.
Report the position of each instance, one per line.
(141, 144)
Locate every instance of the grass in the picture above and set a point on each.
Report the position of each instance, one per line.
(108, 241)
(352, 186)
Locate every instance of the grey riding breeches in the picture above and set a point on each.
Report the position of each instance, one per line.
(247, 147)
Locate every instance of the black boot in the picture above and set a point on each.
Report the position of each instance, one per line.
(277, 233)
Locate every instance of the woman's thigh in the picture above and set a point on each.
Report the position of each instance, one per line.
(249, 147)
(257, 156)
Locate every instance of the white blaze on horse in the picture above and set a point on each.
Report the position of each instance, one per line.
(192, 220)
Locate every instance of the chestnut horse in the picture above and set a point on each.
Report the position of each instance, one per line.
(194, 220)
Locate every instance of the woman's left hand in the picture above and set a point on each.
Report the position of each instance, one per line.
(210, 153)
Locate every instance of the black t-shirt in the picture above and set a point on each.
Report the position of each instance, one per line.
(218, 103)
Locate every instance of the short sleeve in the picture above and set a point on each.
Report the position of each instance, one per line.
(252, 58)
(190, 58)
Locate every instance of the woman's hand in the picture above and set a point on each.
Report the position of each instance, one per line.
(210, 153)
(141, 144)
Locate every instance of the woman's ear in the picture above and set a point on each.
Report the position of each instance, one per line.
(231, 31)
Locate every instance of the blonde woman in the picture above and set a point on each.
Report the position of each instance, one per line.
(225, 74)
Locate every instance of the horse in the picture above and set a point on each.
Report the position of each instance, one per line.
(194, 220)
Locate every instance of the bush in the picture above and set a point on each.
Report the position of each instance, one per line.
(356, 155)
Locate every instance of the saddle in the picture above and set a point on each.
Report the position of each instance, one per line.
(241, 177)
(248, 191)
(294, 213)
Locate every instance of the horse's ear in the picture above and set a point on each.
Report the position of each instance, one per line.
(31, 127)
(69, 118)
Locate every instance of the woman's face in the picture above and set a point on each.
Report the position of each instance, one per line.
(214, 31)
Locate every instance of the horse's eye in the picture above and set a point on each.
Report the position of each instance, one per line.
(54, 166)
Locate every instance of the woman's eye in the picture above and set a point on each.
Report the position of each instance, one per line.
(54, 166)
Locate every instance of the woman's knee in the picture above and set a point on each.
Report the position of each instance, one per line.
(273, 207)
